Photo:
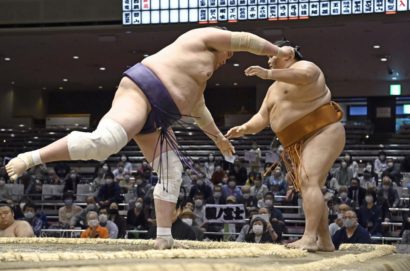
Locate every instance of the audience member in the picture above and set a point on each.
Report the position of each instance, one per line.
(94, 230)
(276, 182)
(388, 192)
(210, 167)
(188, 217)
(343, 174)
(231, 189)
(4, 191)
(393, 172)
(338, 223)
(356, 193)
(343, 196)
(127, 164)
(369, 216)
(105, 222)
(261, 231)
(80, 219)
(136, 217)
(36, 219)
(240, 172)
(71, 181)
(258, 189)
(352, 164)
(380, 163)
(351, 232)
(217, 194)
(370, 178)
(218, 175)
(119, 220)
(9, 227)
(110, 192)
(200, 186)
(68, 211)
(199, 209)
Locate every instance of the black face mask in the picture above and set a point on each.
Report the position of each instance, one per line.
(113, 211)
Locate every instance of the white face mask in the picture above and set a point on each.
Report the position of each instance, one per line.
(103, 218)
(93, 223)
(268, 203)
(109, 181)
(369, 199)
(187, 221)
(198, 203)
(29, 215)
(257, 229)
(246, 196)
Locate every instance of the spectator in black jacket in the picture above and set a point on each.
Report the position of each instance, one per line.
(114, 215)
(110, 192)
(136, 217)
(356, 193)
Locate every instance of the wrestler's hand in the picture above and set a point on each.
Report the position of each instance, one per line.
(257, 71)
(224, 145)
(236, 132)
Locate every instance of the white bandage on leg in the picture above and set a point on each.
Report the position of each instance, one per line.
(244, 41)
(109, 138)
(171, 177)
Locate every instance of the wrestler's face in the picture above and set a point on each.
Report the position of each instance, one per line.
(222, 57)
(280, 63)
(6, 217)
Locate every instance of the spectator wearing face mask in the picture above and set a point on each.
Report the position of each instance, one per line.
(217, 194)
(94, 230)
(62, 170)
(199, 209)
(218, 175)
(352, 164)
(261, 232)
(369, 215)
(356, 193)
(210, 167)
(351, 232)
(380, 164)
(35, 219)
(188, 217)
(110, 192)
(68, 211)
(80, 219)
(249, 202)
(258, 189)
(268, 203)
(343, 174)
(127, 164)
(239, 171)
(338, 223)
(276, 182)
(231, 189)
(388, 192)
(200, 186)
(136, 217)
(393, 172)
(99, 176)
(105, 222)
(4, 191)
(71, 181)
(119, 220)
(370, 178)
(119, 172)
(343, 196)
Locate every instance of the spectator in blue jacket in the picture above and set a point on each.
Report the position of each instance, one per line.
(351, 232)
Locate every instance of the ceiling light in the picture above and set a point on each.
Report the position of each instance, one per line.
(376, 46)
(235, 84)
(7, 59)
(383, 59)
(217, 84)
(21, 125)
(36, 137)
(76, 57)
(51, 133)
(102, 68)
(44, 88)
(236, 64)
(12, 82)
(65, 80)
(100, 87)
(60, 88)
(12, 135)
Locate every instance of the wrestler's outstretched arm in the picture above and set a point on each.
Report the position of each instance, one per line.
(306, 72)
(257, 123)
(207, 124)
(223, 40)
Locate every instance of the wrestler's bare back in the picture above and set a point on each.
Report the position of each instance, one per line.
(287, 103)
(19, 228)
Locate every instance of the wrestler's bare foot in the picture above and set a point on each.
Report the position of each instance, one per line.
(15, 168)
(305, 243)
(325, 245)
(162, 243)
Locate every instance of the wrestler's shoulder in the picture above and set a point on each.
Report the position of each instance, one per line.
(305, 63)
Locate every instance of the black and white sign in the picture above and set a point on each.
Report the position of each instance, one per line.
(210, 11)
(227, 213)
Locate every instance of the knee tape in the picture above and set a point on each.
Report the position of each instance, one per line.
(244, 41)
(109, 138)
(170, 173)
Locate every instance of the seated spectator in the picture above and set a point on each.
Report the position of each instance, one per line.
(392, 172)
(249, 202)
(276, 182)
(80, 220)
(246, 227)
(179, 229)
(9, 227)
(188, 205)
(142, 186)
(217, 194)
(4, 191)
(370, 216)
(388, 192)
(68, 211)
(218, 175)
(94, 230)
(127, 164)
(62, 170)
(255, 164)
(71, 181)
(261, 231)
(119, 172)
(199, 210)
(200, 186)
(210, 167)
(231, 190)
(356, 193)
(101, 172)
(118, 219)
(380, 164)
(240, 172)
(343, 196)
(110, 192)
(136, 217)
(250, 179)
(352, 164)
(343, 174)
(258, 189)
(188, 217)
(36, 219)
(104, 222)
(338, 223)
(268, 203)
(351, 232)
(370, 178)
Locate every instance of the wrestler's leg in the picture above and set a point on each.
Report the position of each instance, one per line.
(318, 156)
(129, 110)
(164, 210)
(324, 242)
